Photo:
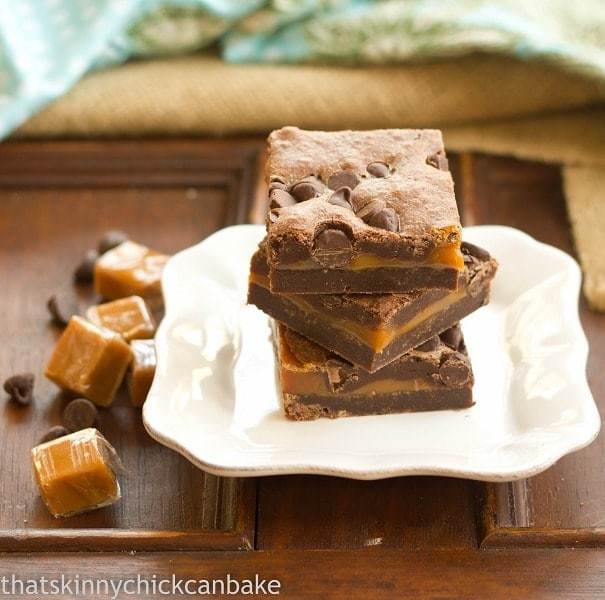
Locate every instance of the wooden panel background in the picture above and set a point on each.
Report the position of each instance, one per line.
(54, 206)
(57, 198)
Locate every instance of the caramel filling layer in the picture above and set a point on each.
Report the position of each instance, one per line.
(378, 338)
(443, 257)
(305, 383)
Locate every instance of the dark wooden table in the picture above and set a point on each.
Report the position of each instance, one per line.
(322, 537)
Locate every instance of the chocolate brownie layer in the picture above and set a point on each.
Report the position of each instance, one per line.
(372, 330)
(361, 211)
(316, 383)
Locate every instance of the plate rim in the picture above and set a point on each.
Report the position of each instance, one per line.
(590, 426)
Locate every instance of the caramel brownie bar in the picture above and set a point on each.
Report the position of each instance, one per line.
(316, 383)
(361, 211)
(373, 330)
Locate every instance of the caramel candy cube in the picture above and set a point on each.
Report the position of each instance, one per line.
(129, 317)
(77, 473)
(142, 370)
(129, 269)
(90, 361)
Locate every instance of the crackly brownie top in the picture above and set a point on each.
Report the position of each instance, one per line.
(442, 359)
(384, 310)
(388, 191)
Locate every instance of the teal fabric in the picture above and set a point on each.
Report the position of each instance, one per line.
(46, 46)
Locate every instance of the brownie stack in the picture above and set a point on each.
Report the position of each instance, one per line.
(364, 271)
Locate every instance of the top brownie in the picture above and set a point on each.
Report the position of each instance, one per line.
(368, 202)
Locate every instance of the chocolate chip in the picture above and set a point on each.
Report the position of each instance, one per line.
(378, 169)
(61, 310)
(438, 160)
(85, 271)
(343, 179)
(281, 198)
(471, 251)
(307, 188)
(79, 414)
(370, 209)
(277, 185)
(111, 239)
(342, 197)
(386, 219)
(20, 388)
(53, 433)
(429, 345)
(332, 248)
(454, 371)
(452, 337)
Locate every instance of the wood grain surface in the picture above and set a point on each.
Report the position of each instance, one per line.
(56, 201)
(424, 536)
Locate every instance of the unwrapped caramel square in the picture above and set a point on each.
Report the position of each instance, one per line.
(90, 361)
(77, 473)
(129, 317)
(129, 269)
(142, 370)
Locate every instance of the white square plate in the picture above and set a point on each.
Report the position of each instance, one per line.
(214, 397)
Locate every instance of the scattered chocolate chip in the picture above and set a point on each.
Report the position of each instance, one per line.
(452, 337)
(343, 179)
(386, 219)
(438, 160)
(85, 271)
(342, 197)
(370, 209)
(308, 188)
(111, 239)
(471, 250)
(20, 388)
(454, 371)
(332, 248)
(429, 345)
(378, 169)
(61, 310)
(53, 433)
(280, 198)
(79, 414)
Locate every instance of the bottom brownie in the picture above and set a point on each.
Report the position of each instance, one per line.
(317, 383)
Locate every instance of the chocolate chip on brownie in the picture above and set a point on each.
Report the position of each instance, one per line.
(307, 188)
(452, 337)
(438, 160)
(341, 197)
(343, 179)
(378, 169)
(429, 345)
(385, 218)
(280, 198)
(332, 248)
(455, 371)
